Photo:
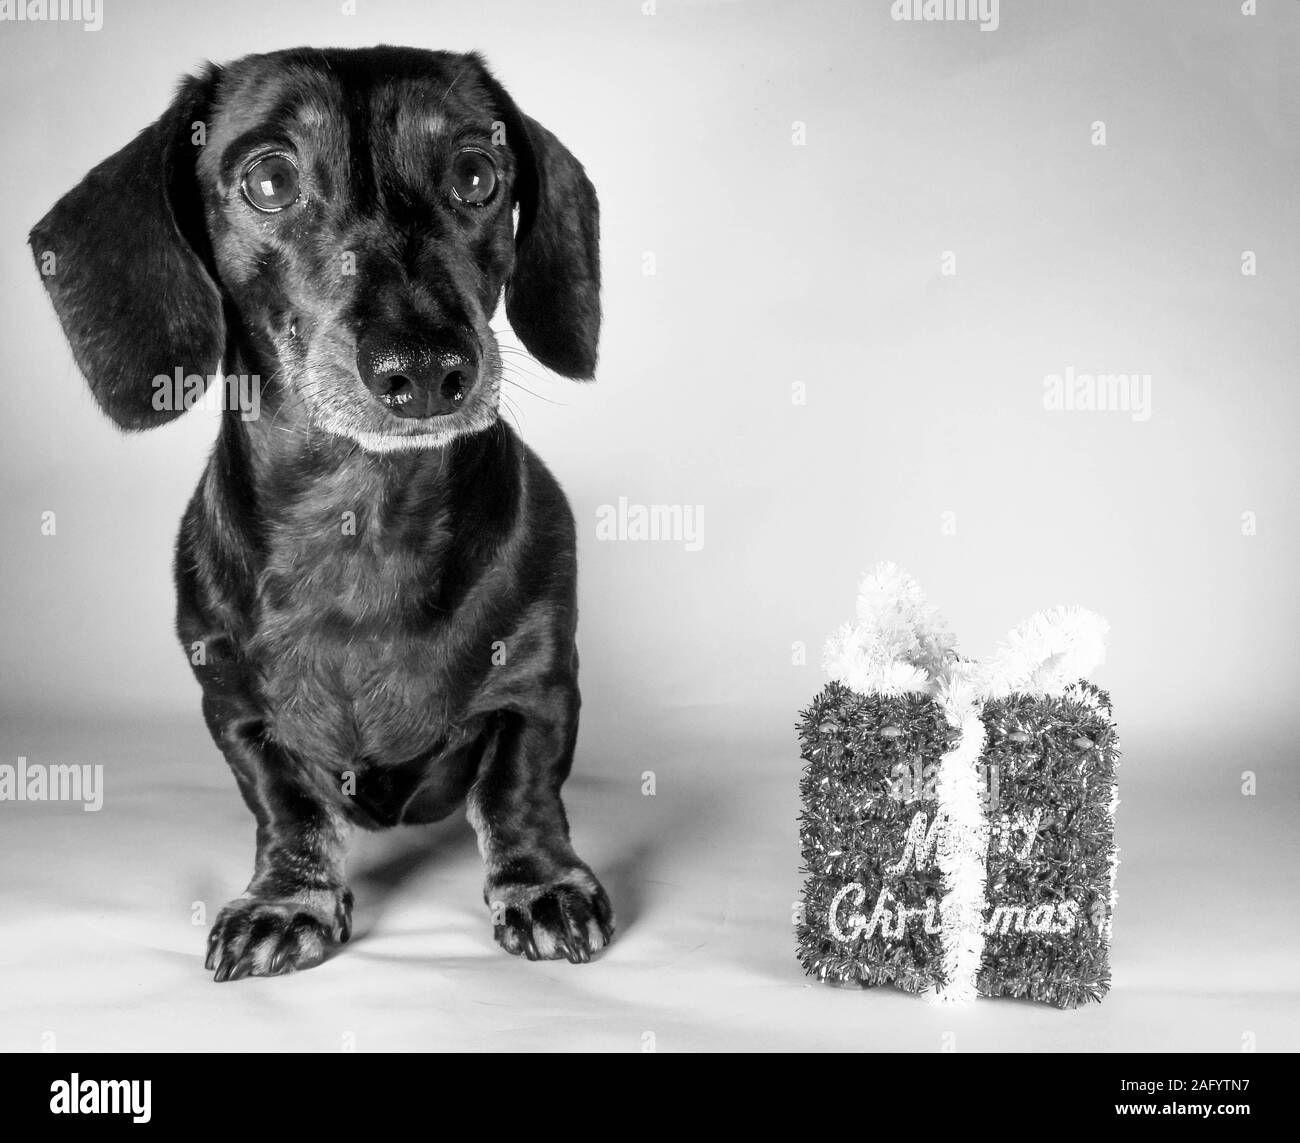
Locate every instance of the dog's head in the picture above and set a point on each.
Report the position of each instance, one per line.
(346, 220)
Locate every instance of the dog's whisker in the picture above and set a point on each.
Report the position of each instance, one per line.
(524, 389)
(514, 412)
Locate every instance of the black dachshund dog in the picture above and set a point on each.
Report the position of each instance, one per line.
(375, 576)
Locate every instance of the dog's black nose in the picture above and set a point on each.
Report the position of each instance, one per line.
(415, 379)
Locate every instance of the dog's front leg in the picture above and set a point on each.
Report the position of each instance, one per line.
(298, 901)
(545, 902)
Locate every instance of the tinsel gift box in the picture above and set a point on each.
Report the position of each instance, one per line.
(958, 817)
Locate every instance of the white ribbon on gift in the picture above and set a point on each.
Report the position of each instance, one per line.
(900, 644)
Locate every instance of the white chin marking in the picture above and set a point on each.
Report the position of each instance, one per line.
(393, 442)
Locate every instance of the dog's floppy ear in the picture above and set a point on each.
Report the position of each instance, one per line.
(553, 296)
(123, 256)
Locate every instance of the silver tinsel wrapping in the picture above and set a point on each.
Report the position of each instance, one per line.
(873, 894)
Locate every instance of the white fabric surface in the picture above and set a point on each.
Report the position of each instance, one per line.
(100, 952)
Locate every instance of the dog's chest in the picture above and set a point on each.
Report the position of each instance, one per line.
(353, 663)
(339, 701)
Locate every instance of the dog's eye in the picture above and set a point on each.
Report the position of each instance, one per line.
(271, 183)
(473, 178)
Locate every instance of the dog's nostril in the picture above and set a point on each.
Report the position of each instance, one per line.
(399, 390)
(453, 386)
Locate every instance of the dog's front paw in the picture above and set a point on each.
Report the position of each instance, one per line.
(570, 917)
(255, 937)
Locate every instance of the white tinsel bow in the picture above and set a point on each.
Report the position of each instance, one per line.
(900, 645)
